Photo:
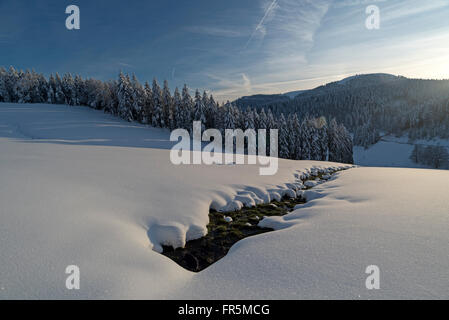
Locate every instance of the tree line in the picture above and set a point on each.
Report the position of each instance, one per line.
(373, 105)
(433, 156)
(307, 138)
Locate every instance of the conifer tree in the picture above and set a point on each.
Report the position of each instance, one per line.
(167, 106)
(178, 112)
(187, 106)
(125, 97)
(199, 110)
(158, 120)
(284, 150)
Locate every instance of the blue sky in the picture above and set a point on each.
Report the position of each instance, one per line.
(231, 48)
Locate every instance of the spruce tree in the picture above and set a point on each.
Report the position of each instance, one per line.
(158, 120)
(284, 150)
(148, 109)
(187, 106)
(178, 112)
(199, 110)
(167, 106)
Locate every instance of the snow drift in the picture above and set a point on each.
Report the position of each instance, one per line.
(79, 187)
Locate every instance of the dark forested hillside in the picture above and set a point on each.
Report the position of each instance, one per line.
(261, 100)
(370, 104)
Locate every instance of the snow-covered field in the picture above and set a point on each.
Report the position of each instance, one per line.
(392, 152)
(78, 187)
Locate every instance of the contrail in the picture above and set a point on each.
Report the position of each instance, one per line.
(259, 26)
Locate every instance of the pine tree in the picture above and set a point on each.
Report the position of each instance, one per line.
(284, 150)
(4, 95)
(125, 95)
(417, 153)
(346, 146)
(187, 106)
(58, 91)
(249, 122)
(112, 104)
(138, 99)
(23, 87)
(167, 106)
(178, 112)
(43, 88)
(334, 142)
(51, 97)
(315, 147)
(11, 84)
(68, 88)
(198, 113)
(211, 111)
(157, 120)
(80, 91)
(148, 109)
(294, 137)
(305, 140)
(323, 139)
(263, 120)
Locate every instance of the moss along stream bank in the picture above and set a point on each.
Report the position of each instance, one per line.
(227, 228)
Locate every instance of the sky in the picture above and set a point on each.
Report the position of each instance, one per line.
(230, 48)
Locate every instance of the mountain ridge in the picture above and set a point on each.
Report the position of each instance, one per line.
(259, 99)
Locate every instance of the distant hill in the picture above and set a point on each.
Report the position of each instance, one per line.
(369, 105)
(261, 100)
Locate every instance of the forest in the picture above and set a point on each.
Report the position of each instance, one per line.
(373, 105)
(300, 137)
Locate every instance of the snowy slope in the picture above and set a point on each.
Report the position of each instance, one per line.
(80, 187)
(392, 152)
(395, 219)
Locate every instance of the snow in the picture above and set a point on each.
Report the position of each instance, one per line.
(294, 94)
(392, 152)
(393, 218)
(310, 184)
(83, 188)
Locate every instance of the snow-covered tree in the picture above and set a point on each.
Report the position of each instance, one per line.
(58, 91)
(69, 90)
(167, 107)
(158, 117)
(4, 94)
(138, 99)
(187, 106)
(308, 138)
(125, 97)
(178, 112)
(199, 110)
(148, 110)
(284, 136)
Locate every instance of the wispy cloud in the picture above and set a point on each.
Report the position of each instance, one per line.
(288, 28)
(307, 43)
(260, 28)
(404, 9)
(124, 64)
(217, 31)
(246, 83)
